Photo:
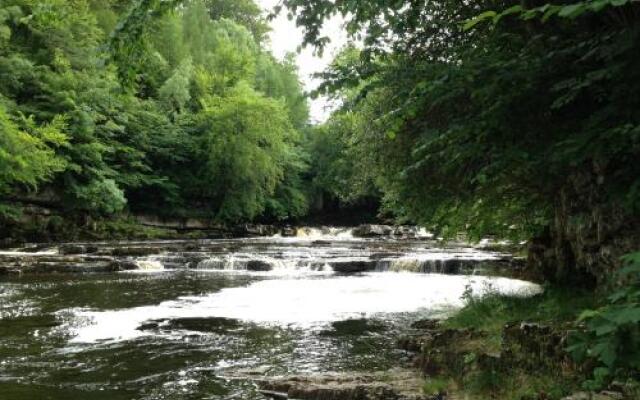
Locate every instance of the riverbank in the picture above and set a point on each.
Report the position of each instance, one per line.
(44, 227)
(512, 348)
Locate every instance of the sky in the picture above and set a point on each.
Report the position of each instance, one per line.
(286, 37)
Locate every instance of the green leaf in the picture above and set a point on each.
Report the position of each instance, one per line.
(478, 19)
(618, 3)
(598, 5)
(509, 11)
(626, 315)
(588, 314)
(572, 11)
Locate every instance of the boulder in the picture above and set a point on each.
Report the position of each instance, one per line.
(367, 231)
(288, 231)
(71, 249)
(136, 251)
(428, 324)
(412, 343)
(393, 385)
(259, 266)
(352, 267)
(606, 395)
(123, 265)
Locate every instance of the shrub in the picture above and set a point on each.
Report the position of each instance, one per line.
(611, 338)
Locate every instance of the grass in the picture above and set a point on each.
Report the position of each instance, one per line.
(490, 314)
(436, 385)
(515, 386)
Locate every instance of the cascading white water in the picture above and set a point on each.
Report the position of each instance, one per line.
(303, 303)
(369, 257)
(149, 265)
(321, 276)
(324, 233)
(259, 263)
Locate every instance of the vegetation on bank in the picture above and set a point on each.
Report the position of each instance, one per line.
(556, 308)
(547, 346)
(209, 124)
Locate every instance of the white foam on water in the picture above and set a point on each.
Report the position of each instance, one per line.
(149, 265)
(16, 253)
(300, 302)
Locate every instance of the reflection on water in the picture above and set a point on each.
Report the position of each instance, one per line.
(184, 334)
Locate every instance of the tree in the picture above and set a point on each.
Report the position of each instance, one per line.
(520, 129)
(27, 156)
(245, 151)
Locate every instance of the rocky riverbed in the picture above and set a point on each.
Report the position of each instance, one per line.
(316, 315)
(365, 249)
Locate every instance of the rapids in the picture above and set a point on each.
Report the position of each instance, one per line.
(191, 315)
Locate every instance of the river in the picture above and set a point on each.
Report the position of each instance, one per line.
(193, 320)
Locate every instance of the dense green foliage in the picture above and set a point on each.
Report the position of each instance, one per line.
(189, 116)
(612, 336)
(487, 129)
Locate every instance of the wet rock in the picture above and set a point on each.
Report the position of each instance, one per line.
(354, 327)
(256, 230)
(34, 248)
(444, 350)
(77, 249)
(288, 231)
(416, 342)
(258, 266)
(394, 386)
(578, 396)
(208, 325)
(368, 231)
(426, 324)
(352, 267)
(7, 243)
(606, 395)
(411, 343)
(123, 265)
(610, 395)
(136, 251)
(191, 247)
(531, 346)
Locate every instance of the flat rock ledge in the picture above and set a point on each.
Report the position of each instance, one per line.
(391, 385)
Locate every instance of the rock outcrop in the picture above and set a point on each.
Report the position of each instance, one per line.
(588, 234)
(352, 267)
(392, 385)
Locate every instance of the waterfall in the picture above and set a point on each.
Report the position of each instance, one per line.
(324, 233)
(260, 263)
(433, 266)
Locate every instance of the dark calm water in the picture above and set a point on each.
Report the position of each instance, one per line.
(193, 334)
